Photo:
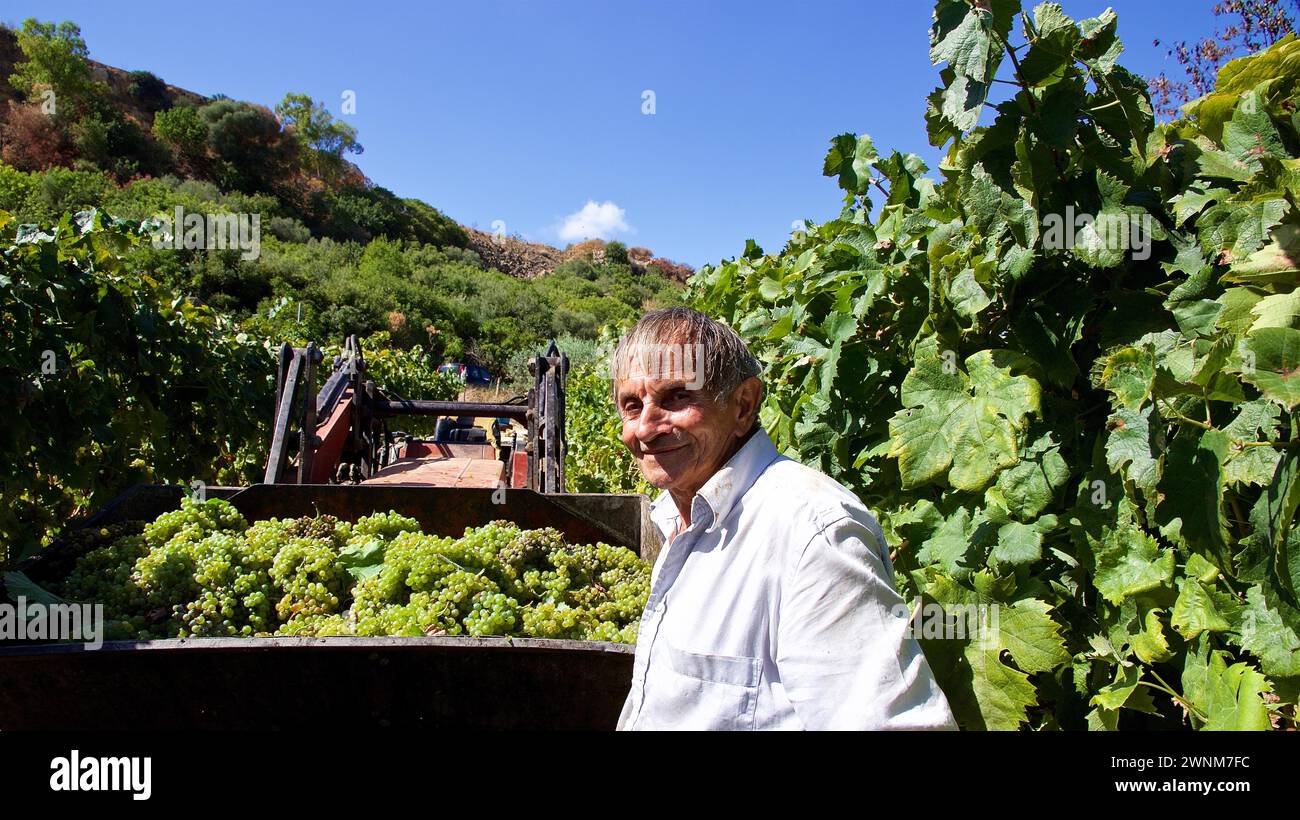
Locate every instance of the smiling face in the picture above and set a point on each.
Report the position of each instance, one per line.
(679, 436)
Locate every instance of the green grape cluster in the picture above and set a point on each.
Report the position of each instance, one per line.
(481, 545)
(387, 526)
(492, 613)
(308, 572)
(166, 573)
(318, 627)
(103, 573)
(194, 521)
(203, 571)
(549, 620)
(324, 527)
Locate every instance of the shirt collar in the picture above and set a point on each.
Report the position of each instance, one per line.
(724, 488)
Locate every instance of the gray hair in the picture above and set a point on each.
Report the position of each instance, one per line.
(704, 352)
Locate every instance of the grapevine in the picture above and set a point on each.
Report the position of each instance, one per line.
(1087, 426)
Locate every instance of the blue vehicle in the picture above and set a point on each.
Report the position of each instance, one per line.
(468, 373)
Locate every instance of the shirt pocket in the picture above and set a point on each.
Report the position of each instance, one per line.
(710, 691)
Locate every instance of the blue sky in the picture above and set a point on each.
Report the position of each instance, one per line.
(524, 112)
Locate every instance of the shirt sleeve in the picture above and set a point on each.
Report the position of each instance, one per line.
(843, 649)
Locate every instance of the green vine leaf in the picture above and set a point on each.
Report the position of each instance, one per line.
(962, 424)
(1190, 510)
(1195, 611)
(983, 690)
(1128, 561)
(1271, 630)
(1132, 448)
(1269, 359)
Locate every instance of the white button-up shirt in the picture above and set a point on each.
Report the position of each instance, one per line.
(776, 609)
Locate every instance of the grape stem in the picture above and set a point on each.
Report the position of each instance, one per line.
(1180, 417)
(1164, 687)
(453, 563)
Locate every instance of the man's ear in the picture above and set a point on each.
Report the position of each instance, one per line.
(747, 398)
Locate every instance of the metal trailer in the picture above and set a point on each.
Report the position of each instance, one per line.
(286, 683)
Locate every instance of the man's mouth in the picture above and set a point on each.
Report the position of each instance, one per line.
(645, 451)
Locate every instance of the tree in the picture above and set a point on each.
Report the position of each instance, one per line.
(249, 143)
(56, 60)
(1254, 24)
(325, 138)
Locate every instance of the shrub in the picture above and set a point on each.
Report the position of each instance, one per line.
(91, 135)
(140, 199)
(149, 91)
(287, 229)
(361, 213)
(576, 268)
(356, 214)
(114, 144)
(183, 129)
(639, 255)
(616, 252)
(15, 188)
(670, 269)
(32, 141)
(462, 255)
(61, 190)
(384, 258)
(427, 224)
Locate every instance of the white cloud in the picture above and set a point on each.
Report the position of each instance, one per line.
(594, 221)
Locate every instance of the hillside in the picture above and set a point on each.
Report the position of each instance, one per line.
(528, 260)
(124, 123)
(117, 79)
(332, 252)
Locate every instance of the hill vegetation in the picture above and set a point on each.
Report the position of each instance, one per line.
(338, 254)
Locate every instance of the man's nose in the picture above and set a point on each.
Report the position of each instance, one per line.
(652, 423)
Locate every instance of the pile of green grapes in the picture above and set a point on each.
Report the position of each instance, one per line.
(203, 571)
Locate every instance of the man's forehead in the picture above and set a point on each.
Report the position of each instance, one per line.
(643, 386)
(659, 360)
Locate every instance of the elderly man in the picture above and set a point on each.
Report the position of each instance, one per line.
(772, 604)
